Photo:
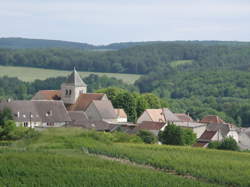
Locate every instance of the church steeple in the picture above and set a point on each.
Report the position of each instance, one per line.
(72, 88)
(75, 79)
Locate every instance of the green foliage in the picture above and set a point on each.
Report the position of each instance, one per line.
(142, 105)
(175, 135)
(152, 100)
(172, 135)
(229, 144)
(147, 137)
(5, 115)
(214, 145)
(128, 103)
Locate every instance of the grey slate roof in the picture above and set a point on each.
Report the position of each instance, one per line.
(75, 79)
(223, 128)
(37, 110)
(170, 116)
(78, 118)
(105, 109)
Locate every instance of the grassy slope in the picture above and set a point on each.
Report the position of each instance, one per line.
(56, 159)
(222, 167)
(31, 74)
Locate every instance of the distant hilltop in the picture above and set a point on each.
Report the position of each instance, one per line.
(25, 43)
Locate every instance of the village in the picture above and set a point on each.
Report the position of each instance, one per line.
(72, 106)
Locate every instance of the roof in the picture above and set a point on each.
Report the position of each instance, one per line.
(189, 124)
(37, 110)
(156, 115)
(120, 113)
(184, 117)
(105, 109)
(151, 125)
(223, 128)
(207, 136)
(47, 95)
(84, 101)
(212, 119)
(200, 144)
(56, 110)
(170, 116)
(162, 115)
(75, 79)
(78, 118)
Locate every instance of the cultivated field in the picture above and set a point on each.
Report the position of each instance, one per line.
(30, 74)
(57, 158)
(196, 166)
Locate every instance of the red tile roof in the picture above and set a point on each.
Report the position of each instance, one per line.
(207, 135)
(184, 117)
(48, 95)
(212, 119)
(151, 125)
(84, 101)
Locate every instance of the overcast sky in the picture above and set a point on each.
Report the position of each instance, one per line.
(108, 21)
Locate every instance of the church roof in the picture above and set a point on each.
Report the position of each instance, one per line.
(75, 79)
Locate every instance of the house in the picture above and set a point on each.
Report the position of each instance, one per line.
(244, 138)
(152, 126)
(196, 127)
(207, 137)
(221, 131)
(47, 113)
(121, 115)
(101, 111)
(158, 115)
(212, 119)
(73, 93)
(184, 117)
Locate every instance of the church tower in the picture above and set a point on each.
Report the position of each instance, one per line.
(72, 88)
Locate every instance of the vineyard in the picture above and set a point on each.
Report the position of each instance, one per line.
(60, 157)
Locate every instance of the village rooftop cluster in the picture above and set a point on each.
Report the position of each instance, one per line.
(72, 106)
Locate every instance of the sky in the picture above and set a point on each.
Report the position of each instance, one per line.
(108, 21)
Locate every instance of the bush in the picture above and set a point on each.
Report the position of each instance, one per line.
(214, 145)
(229, 144)
(175, 135)
(147, 137)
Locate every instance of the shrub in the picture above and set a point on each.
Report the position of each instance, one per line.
(147, 137)
(229, 144)
(175, 135)
(214, 145)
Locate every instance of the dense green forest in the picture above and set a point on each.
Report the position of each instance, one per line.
(199, 78)
(139, 59)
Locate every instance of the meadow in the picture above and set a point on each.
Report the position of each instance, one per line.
(63, 152)
(30, 74)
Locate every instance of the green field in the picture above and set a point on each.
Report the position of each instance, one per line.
(30, 74)
(177, 63)
(63, 152)
(56, 159)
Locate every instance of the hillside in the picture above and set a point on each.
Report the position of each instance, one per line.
(76, 157)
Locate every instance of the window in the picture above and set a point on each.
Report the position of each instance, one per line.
(66, 92)
(25, 124)
(69, 92)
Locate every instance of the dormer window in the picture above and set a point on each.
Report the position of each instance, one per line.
(49, 113)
